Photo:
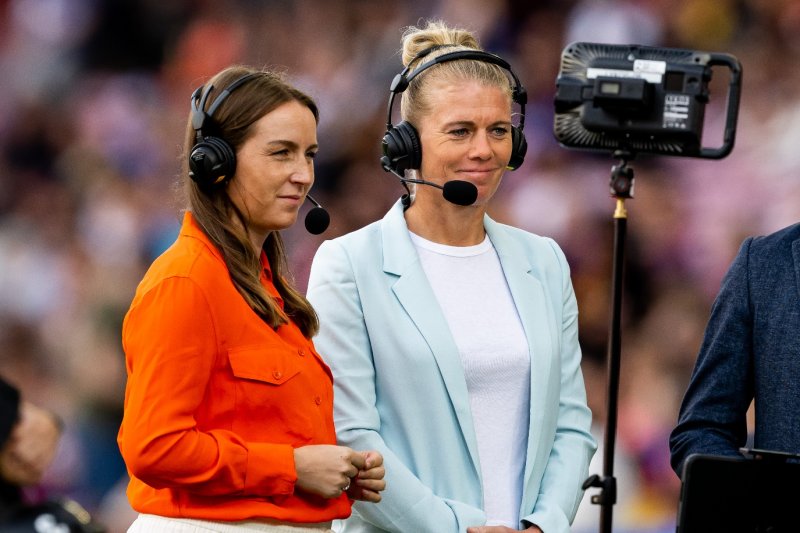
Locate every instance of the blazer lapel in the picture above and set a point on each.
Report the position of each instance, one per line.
(417, 298)
(532, 306)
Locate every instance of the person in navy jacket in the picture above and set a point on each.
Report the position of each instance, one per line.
(750, 352)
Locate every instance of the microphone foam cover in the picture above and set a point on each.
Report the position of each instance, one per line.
(317, 220)
(460, 192)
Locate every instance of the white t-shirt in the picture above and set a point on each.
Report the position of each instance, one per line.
(472, 291)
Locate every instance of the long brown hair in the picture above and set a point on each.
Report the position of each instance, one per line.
(215, 212)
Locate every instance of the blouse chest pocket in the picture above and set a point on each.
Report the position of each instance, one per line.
(268, 363)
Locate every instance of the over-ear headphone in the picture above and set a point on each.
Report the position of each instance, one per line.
(212, 161)
(401, 145)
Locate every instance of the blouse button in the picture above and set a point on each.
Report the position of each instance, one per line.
(317, 400)
(277, 374)
(301, 352)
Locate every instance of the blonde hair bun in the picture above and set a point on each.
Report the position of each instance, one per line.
(435, 34)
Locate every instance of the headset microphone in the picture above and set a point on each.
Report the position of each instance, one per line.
(460, 192)
(457, 192)
(318, 219)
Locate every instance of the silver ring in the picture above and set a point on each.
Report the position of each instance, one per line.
(344, 489)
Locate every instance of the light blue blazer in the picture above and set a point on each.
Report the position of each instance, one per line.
(400, 387)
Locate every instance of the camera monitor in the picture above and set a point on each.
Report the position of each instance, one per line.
(641, 99)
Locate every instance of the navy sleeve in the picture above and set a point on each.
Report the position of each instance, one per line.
(712, 417)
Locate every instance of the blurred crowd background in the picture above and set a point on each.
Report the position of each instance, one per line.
(93, 106)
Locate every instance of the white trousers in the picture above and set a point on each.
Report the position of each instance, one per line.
(147, 523)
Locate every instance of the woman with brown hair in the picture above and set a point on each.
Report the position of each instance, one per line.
(228, 422)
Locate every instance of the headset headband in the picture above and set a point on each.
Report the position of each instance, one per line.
(401, 81)
(199, 116)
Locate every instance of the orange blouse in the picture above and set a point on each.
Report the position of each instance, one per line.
(216, 400)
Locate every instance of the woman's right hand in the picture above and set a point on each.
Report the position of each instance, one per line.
(325, 469)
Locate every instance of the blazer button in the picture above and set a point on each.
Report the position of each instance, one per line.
(277, 374)
(317, 400)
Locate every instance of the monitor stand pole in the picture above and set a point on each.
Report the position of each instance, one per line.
(621, 189)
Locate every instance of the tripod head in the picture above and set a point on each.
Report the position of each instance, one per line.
(622, 175)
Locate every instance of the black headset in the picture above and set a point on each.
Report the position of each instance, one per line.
(401, 145)
(212, 161)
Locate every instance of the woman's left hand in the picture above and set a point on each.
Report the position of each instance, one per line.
(369, 482)
(501, 529)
